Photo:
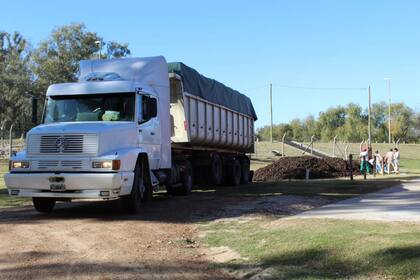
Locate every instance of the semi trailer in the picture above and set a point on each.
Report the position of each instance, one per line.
(128, 126)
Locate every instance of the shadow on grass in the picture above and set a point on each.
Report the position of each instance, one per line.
(52, 265)
(394, 262)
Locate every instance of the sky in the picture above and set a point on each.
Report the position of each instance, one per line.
(317, 54)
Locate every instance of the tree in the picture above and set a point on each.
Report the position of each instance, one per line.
(379, 117)
(116, 50)
(310, 128)
(355, 125)
(15, 81)
(56, 60)
(402, 125)
(330, 120)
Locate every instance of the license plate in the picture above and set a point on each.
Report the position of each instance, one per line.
(57, 187)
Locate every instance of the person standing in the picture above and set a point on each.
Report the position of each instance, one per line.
(396, 160)
(389, 157)
(378, 161)
(364, 161)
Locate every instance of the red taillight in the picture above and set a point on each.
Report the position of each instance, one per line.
(185, 125)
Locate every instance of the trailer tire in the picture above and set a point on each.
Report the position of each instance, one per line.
(235, 172)
(216, 173)
(132, 202)
(245, 174)
(43, 204)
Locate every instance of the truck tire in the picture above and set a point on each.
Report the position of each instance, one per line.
(43, 204)
(235, 173)
(132, 202)
(245, 174)
(186, 184)
(216, 173)
(187, 178)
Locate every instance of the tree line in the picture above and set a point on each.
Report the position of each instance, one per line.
(350, 123)
(27, 71)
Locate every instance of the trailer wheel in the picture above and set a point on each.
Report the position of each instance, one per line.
(245, 175)
(235, 173)
(132, 202)
(43, 204)
(216, 174)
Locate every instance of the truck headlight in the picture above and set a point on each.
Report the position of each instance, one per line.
(19, 164)
(107, 164)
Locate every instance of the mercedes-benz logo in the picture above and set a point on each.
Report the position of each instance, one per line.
(59, 143)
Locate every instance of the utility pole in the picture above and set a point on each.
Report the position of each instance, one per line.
(271, 112)
(389, 110)
(369, 120)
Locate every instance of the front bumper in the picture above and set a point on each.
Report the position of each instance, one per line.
(77, 185)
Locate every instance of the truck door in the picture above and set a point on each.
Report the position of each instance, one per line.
(149, 137)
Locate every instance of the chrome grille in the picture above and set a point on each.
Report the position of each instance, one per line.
(72, 163)
(70, 144)
(47, 164)
(59, 165)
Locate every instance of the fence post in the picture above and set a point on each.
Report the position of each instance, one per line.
(312, 144)
(374, 166)
(351, 166)
(364, 167)
(282, 145)
(10, 141)
(307, 175)
(334, 143)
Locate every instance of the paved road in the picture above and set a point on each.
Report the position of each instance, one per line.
(399, 203)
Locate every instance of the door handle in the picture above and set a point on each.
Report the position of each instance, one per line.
(152, 133)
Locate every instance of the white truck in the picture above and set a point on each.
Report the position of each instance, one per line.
(128, 126)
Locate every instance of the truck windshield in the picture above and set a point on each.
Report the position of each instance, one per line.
(92, 107)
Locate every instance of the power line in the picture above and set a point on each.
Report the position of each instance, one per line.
(320, 88)
(307, 88)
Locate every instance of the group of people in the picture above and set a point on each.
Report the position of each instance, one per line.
(388, 163)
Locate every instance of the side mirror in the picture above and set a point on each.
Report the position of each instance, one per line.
(34, 102)
(149, 108)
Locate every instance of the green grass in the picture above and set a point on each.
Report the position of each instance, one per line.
(320, 249)
(317, 248)
(410, 166)
(5, 199)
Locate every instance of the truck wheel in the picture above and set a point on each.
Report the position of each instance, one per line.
(43, 204)
(235, 173)
(186, 179)
(184, 187)
(133, 201)
(245, 175)
(216, 174)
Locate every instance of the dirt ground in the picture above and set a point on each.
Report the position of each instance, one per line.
(98, 241)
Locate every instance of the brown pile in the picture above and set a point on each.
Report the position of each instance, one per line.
(295, 168)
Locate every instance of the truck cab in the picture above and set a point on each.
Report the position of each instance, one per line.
(95, 132)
